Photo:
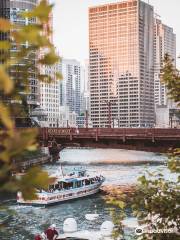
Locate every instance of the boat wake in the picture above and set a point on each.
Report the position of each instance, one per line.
(17, 207)
(113, 162)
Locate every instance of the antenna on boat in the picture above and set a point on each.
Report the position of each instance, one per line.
(61, 170)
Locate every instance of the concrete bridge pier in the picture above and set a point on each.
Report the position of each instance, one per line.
(54, 150)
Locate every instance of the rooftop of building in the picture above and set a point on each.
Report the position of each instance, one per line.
(117, 3)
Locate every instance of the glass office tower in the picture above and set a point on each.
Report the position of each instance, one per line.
(121, 70)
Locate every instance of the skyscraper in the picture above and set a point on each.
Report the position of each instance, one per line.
(87, 89)
(164, 43)
(70, 86)
(166, 110)
(121, 64)
(50, 92)
(50, 95)
(11, 10)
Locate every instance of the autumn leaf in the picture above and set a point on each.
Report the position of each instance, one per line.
(5, 25)
(6, 83)
(59, 76)
(42, 11)
(5, 116)
(34, 179)
(49, 59)
(5, 45)
(16, 69)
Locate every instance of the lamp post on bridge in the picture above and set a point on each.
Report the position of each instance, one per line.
(67, 123)
(57, 123)
(109, 112)
(86, 118)
(109, 104)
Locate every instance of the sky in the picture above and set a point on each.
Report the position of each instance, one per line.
(71, 24)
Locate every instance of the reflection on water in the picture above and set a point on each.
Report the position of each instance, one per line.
(109, 156)
(118, 166)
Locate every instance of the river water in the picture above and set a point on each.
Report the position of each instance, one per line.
(118, 167)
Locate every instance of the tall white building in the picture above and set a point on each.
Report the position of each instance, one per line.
(50, 96)
(164, 43)
(121, 64)
(70, 86)
(87, 87)
(12, 11)
(67, 118)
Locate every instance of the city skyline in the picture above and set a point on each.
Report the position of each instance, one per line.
(71, 38)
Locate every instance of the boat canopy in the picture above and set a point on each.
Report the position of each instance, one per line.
(70, 180)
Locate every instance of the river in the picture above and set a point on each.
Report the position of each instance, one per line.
(118, 167)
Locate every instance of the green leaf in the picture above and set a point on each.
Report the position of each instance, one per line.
(142, 179)
(121, 204)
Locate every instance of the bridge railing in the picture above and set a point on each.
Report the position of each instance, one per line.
(167, 132)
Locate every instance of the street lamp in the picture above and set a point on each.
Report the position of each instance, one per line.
(57, 123)
(109, 112)
(172, 120)
(67, 123)
(86, 118)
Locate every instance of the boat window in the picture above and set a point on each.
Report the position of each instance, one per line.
(87, 181)
(79, 184)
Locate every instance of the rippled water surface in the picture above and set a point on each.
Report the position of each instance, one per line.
(118, 166)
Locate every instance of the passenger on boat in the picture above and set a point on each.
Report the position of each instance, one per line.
(38, 237)
(51, 233)
(41, 236)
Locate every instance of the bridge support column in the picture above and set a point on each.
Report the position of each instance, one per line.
(54, 150)
(124, 136)
(96, 134)
(153, 135)
(71, 136)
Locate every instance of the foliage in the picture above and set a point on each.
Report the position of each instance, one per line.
(171, 77)
(22, 44)
(156, 202)
(119, 200)
(156, 206)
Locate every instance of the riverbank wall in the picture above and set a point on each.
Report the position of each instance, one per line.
(27, 163)
(115, 190)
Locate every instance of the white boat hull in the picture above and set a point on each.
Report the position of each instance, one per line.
(45, 199)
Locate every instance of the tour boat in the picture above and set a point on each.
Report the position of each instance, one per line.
(75, 185)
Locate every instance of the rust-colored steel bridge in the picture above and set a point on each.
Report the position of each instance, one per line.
(147, 139)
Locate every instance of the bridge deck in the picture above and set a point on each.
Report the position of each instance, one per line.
(110, 133)
(144, 139)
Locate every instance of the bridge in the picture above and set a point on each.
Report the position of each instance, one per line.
(145, 139)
